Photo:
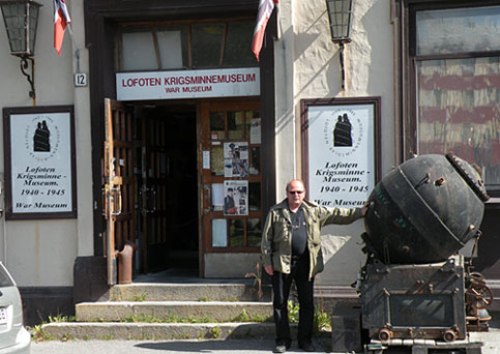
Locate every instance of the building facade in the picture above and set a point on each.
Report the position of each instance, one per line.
(178, 140)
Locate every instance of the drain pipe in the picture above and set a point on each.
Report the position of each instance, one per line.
(125, 264)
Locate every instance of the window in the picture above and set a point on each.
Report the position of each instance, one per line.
(233, 176)
(186, 46)
(456, 52)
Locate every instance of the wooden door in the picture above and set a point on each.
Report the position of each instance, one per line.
(153, 192)
(231, 176)
(119, 182)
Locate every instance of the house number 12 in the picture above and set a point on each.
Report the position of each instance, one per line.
(80, 79)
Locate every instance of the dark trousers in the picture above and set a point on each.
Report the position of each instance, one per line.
(305, 289)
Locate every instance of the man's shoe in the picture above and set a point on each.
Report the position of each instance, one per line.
(280, 349)
(307, 347)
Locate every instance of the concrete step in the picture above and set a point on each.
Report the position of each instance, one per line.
(244, 291)
(157, 331)
(172, 311)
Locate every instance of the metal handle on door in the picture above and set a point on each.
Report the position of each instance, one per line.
(153, 192)
(207, 196)
(148, 196)
(117, 199)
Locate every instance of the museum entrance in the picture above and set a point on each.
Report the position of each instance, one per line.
(151, 184)
(166, 161)
(171, 166)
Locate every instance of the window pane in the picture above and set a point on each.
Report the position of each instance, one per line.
(217, 125)
(207, 42)
(237, 51)
(217, 160)
(217, 195)
(254, 161)
(219, 233)
(254, 196)
(172, 50)
(236, 233)
(236, 125)
(458, 30)
(255, 128)
(138, 51)
(254, 232)
(458, 112)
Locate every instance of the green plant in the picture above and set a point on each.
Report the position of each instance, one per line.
(257, 275)
(142, 318)
(242, 317)
(215, 332)
(321, 318)
(39, 335)
(140, 297)
(293, 312)
(60, 318)
(322, 321)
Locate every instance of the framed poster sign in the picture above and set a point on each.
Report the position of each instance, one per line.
(341, 151)
(39, 155)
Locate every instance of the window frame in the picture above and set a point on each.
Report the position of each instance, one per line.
(128, 27)
(408, 65)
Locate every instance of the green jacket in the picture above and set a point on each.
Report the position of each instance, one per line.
(276, 243)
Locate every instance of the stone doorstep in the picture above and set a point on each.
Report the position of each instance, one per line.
(217, 311)
(169, 331)
(188, 292)
(157, 331)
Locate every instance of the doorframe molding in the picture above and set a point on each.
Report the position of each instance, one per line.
(101, 17)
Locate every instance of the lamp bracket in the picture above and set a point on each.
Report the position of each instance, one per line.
(342, 68)
(30, 77)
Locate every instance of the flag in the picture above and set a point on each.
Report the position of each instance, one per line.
(61, 20)
(266, 8)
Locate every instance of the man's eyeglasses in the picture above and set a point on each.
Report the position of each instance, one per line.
(295, 192)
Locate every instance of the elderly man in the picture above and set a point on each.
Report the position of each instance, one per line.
(291, 251)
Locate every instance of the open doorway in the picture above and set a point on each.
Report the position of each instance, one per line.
(167, 187)
(172, 167)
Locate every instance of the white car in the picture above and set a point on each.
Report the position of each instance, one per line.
(14, 338)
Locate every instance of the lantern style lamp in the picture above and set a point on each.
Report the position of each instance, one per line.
(340, 18)
(21, 19)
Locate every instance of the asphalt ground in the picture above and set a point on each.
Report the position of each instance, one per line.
(489, 339)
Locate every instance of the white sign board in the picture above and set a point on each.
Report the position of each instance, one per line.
(40, 178)
(188, 84)
(341, 154)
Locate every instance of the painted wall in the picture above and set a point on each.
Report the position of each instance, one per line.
(307, 66)
(42, 252)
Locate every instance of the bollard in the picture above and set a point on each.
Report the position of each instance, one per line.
(125, 264)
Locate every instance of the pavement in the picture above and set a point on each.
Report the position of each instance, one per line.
(490, 340)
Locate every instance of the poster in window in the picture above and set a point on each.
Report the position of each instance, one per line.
(236, 159)
(236, 197)
(255, 131)
(40, 164)
(341, 150)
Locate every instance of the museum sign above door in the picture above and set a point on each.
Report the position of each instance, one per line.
(235, 82)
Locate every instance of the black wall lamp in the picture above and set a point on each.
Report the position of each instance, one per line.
(21, 20)
(340, 18)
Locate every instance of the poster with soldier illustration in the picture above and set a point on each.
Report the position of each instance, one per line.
(236, 159)
(235, 197)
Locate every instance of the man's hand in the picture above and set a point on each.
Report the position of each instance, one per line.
(364, 209)
(269, 269)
